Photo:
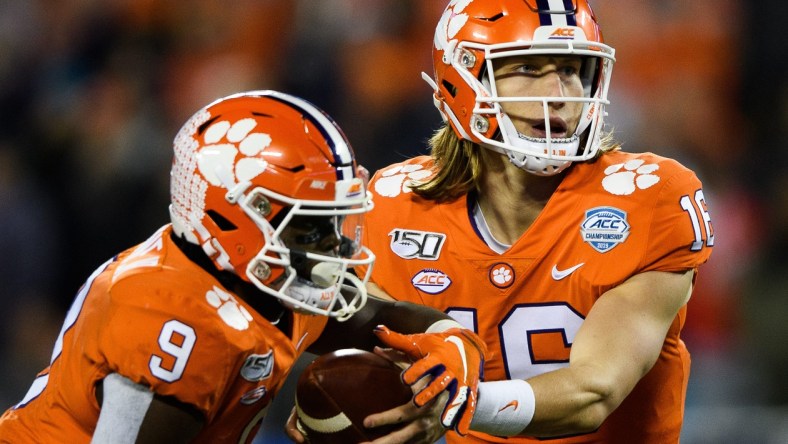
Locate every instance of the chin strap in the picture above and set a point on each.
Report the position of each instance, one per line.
(310, 294)
(533, 164)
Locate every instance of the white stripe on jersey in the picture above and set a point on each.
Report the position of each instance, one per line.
(484, 229)
(558, 19)
(341, 150)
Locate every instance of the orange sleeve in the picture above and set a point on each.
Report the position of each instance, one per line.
(177, 350)
(681, 233)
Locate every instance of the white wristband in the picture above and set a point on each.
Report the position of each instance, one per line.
(443, 325)
(503, 408)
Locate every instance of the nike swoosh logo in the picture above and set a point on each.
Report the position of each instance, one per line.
(458, 342)
(514, 404)
(451, 411)
(560, 274)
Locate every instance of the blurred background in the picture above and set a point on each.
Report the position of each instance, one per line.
(92, 93)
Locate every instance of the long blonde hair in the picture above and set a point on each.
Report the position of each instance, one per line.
(458, 165)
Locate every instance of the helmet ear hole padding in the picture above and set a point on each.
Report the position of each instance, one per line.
(221, 221)
(450, 88)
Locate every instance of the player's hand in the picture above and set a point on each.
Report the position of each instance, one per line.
(453, 359)
(291, 428)
(416, 425)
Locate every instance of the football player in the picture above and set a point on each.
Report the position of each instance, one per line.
(188, 336)
(572, 259)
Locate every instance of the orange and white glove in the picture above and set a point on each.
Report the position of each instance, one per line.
(454, 358)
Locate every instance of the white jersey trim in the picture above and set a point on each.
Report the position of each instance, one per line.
(484, 231)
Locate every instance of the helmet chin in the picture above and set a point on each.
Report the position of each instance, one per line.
(535, 155)
(542, 166)
(310, 294)
(339, 300)
(329, 290)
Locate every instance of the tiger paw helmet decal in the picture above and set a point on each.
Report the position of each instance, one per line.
(450, 24)
(224, 141)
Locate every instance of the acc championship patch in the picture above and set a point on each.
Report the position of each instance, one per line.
(413, 244)
(604, 228)
(431, 281)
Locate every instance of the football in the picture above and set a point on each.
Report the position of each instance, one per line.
(338, 390)
(405, 248)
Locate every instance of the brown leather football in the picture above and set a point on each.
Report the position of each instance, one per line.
(338, 390)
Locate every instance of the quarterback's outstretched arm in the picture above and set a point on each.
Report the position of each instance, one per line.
(618, 343)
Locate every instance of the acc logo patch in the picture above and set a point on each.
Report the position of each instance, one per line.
(253, 396)
(431, 281)
(258, 367)
(563, 34)
(604, 228)
(412, 244)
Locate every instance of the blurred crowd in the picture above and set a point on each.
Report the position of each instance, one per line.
(92, 93)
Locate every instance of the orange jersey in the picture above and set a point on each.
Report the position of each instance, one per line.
(157, 318)
(608, 220)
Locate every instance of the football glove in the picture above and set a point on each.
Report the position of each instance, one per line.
(453, 358)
